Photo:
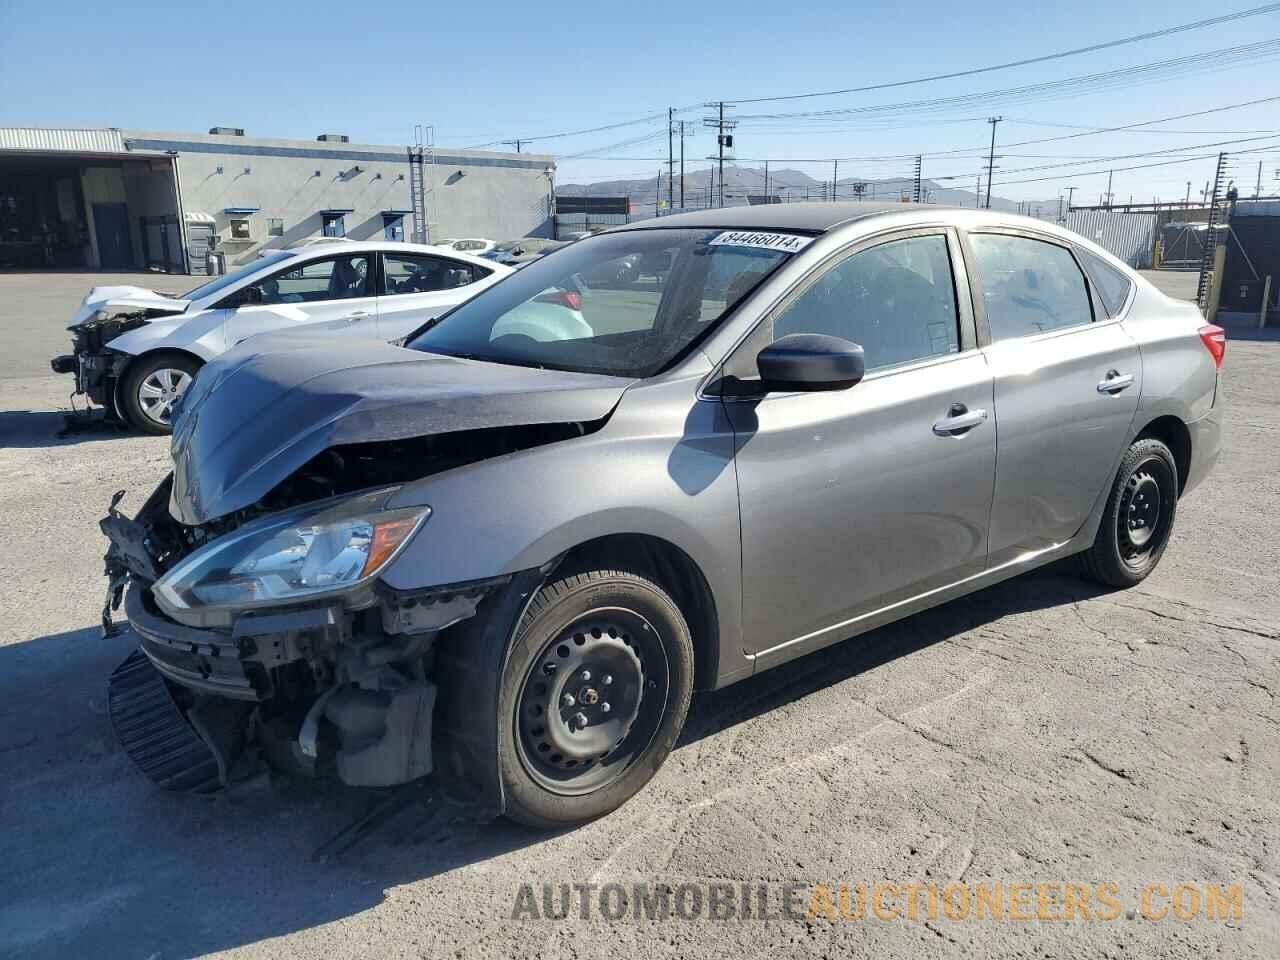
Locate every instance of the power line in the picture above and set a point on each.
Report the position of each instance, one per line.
(1224, 58)
(974, 71)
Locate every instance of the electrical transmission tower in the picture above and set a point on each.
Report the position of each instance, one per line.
(915, 192)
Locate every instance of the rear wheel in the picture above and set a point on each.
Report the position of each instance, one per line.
(152, 385)
(1139, 517)
(594, 695)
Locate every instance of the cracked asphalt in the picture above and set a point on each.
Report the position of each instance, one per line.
(1042, 731)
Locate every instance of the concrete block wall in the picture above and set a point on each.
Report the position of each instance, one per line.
(474, 193)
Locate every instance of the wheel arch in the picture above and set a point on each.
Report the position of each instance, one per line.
(1174, 434)
(122, 372)
(675, 571)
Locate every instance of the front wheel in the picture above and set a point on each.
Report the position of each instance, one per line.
(151, 386)
(594, 695)
(1138, 519)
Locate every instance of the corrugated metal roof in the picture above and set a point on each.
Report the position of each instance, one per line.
(47, 139)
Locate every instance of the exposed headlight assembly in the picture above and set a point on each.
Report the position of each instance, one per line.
(319, 550)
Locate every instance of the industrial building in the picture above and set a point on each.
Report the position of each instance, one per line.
(115, 199)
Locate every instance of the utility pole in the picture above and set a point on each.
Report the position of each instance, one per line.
(1071, 192)
(671, 162)
(681, 164)
(767, 198)
(1059, 220)
(517, 143)
(991, 158)
(977, 192)
(723, 139)
(657, 191)
(1258, 192)
(1186, 203)
(835, 178)
(1109, 173)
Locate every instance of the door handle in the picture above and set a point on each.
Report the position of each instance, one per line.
(1115, 382)
(959, 421)
(356, 315)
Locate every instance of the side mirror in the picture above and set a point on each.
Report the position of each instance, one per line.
(810, 362)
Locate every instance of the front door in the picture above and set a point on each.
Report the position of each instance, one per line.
(858, 499)
(111, 227)
(1066, 389)
(328, 297)
(417, 287)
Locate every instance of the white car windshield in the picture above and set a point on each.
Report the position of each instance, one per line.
(625, 304)
(235, 276)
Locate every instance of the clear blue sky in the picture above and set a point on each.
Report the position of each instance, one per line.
(495, 70)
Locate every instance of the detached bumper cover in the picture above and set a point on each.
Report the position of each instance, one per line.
(203, 660)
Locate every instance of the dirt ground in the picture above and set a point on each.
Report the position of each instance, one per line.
(1042, 731)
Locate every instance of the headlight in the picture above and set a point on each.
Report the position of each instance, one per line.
(324, 549)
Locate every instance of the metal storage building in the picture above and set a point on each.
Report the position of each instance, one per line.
(111, 198)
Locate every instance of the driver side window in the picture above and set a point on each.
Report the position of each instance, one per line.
(897, 300)
(333, 278)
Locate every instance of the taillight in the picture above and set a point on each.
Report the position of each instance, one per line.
(564, 298)
(1214, 339)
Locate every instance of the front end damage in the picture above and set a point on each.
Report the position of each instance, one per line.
(346, 687)
(252, 577)
(105, 314)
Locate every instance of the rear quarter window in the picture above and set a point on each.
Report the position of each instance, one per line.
(1112, 285)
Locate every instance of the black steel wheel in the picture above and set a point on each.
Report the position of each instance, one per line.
(596, 690)
(1139, 517)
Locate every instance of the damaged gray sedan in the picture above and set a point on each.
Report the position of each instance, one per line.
(668, 456)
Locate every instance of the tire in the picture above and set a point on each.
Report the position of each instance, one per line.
(619, 648)
(163, 371)
(1139, 517)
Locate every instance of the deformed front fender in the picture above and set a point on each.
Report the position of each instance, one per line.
(202, 334)
(662, 467)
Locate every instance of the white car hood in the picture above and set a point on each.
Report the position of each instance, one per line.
(124, 300)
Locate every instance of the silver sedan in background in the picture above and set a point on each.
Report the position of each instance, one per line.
(672, 455)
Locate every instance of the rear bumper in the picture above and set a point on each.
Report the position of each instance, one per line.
(1206, 447)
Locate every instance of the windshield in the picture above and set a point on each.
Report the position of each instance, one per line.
(624, 304)
(235, 276)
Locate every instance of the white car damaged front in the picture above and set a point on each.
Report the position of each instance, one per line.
(136, 351)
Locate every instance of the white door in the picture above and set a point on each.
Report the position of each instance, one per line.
(417, 287)
(329, 296)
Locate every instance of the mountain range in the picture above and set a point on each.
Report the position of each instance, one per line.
(788, 185)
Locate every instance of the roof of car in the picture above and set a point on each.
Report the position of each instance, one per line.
(811, 217)
(315, 250)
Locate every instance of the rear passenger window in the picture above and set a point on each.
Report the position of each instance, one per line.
(897, 300)
(1112, 285)
(1030, 286)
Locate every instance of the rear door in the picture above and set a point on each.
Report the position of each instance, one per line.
(1067, 381)
(329, 297)
(857, 499)
(414, 287)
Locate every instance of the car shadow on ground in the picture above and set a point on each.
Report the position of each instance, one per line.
(105, 864)
(30, 429)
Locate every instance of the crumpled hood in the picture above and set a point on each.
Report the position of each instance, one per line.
(264, 408)
(124, 300)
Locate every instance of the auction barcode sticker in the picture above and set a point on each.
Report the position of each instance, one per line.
(786, 242)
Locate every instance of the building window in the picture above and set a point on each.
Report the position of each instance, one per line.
(334, 225)
(275, 227)
(393, 226)
(240, 229)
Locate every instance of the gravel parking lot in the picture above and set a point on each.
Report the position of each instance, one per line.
(1043, 731)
